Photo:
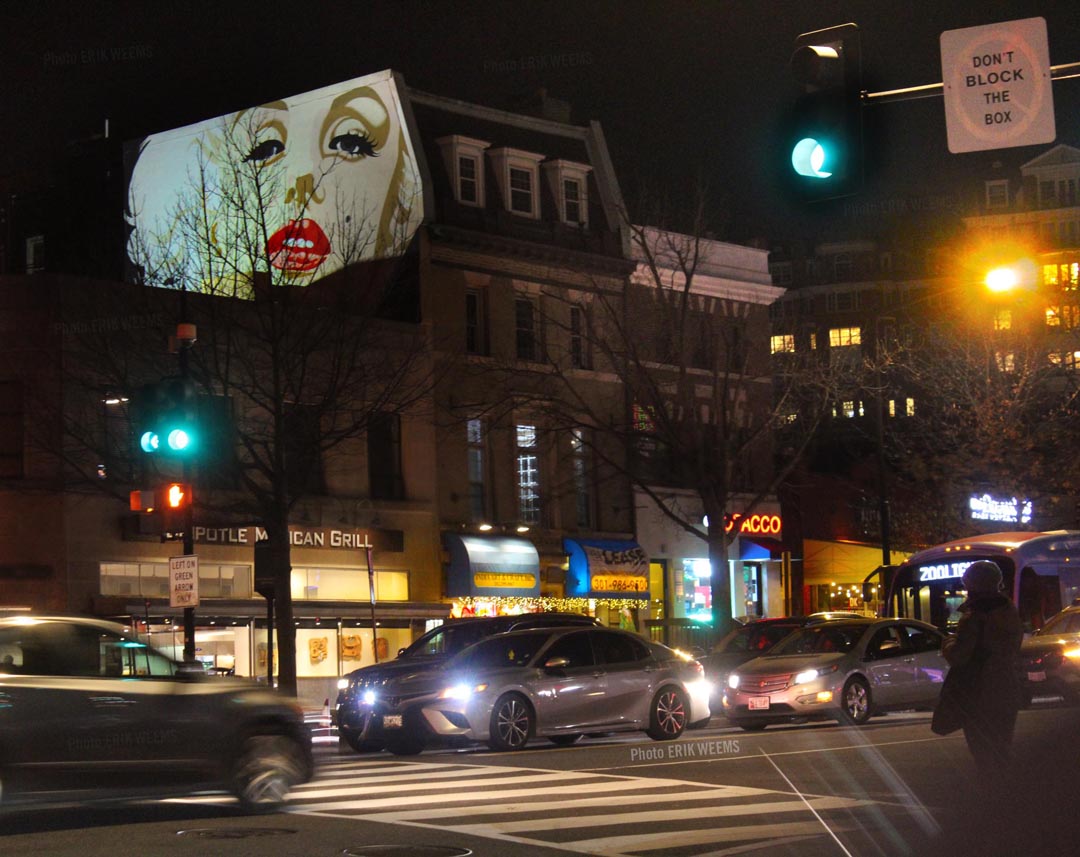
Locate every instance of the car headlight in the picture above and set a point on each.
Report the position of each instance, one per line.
(809, 675)
(462, 691)
(343, 684)
(1072, 653)
(369, 697)
(733, 681)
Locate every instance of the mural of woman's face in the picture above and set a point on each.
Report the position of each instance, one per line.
(333, 170)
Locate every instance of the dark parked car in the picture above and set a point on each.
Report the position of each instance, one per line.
(1050, 658)
(556, 683)
(428, 653)
(87, 710)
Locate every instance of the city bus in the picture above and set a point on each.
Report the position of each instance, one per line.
(1041, 574)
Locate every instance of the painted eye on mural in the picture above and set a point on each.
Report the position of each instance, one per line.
(353, 144)
(265, 151)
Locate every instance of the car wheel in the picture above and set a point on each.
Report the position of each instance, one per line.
(856, 702)
(511, 723)
(405, 745)
(360, 746)
(268, 766)
(667, 714)
(750, 725)
(564, 740)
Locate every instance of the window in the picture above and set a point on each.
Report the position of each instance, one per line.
(521, 190)
(516, 172)
(1006, 361)
(782, 343)
(781, 273)
(464, 161)
(568, 184)
(35, 254)
(1003, 319)
(843, 269)
(468, 180)
(1066, 276)
(475, 464)
(997, 193)
(151, 580)
(384, 457)
(475, 325)
(576, 648)
(612, 648)
(528, 475)
(572, 199)
(11, 430)
(579, 456)
(909, 407)
(525, 329)
(580, 357)
(1067, 360)
(842, 337)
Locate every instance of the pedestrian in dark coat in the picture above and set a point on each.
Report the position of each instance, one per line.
(987, 642)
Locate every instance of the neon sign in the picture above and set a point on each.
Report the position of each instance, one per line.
(943, 571)
(1011, 511)
(758, 525)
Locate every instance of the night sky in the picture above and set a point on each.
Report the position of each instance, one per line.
(684, 90)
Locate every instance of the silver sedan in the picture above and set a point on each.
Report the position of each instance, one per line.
(555, 683)
(846, 670)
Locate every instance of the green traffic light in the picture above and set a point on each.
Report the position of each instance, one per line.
(149, 441)
(808, 157)
(179, 440)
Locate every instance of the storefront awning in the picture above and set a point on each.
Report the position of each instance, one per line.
(759, 549)
(606, 568)
(492, 566)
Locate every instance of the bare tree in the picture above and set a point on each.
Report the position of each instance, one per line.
(702, 407)
(289, 369)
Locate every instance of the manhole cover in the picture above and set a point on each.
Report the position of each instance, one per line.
(406, 851)
(234, 832)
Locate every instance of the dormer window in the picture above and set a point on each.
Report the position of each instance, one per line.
(516, 173)
(569, 185)
(997, 193)
(464, 159)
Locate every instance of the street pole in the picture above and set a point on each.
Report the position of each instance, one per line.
(371, 590)
(182, 345)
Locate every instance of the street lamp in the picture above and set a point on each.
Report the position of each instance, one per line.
(1015, 275)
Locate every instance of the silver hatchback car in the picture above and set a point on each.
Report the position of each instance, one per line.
(845, 670)
(555, 683)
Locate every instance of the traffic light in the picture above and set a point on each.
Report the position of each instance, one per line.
(173, 502)
(166, 417)
(823, 149)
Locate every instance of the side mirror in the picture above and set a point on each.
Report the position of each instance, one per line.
(401, 651)
(556, 663)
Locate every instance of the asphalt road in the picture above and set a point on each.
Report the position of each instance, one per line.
(889, 788)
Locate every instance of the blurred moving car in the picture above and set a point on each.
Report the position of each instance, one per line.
(554, 683)
(1050, 659)
(87, 710)
(428, 652)
(753, 640)
(843, 669)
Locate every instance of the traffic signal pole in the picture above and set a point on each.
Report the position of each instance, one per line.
(184, 339)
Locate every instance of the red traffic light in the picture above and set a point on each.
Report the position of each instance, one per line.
(175, 495)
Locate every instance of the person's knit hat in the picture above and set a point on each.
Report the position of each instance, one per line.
(982, 577)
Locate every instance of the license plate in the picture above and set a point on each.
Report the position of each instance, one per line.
(1039, 676)
(391, 721)
(758, 703)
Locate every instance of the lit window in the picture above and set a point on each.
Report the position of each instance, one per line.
(1053, 316)
(909, 407)
(813, 340)
(1006, 361)
(842, 337)
(849, 409)
(892, 407)
(784, 342)
(528, 475)
(1003, 319)
(1070, 317)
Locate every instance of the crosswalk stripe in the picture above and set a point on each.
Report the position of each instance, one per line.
(454, 796)
(713, 793)
(669, 840)
(467, 771)
(644, 816)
